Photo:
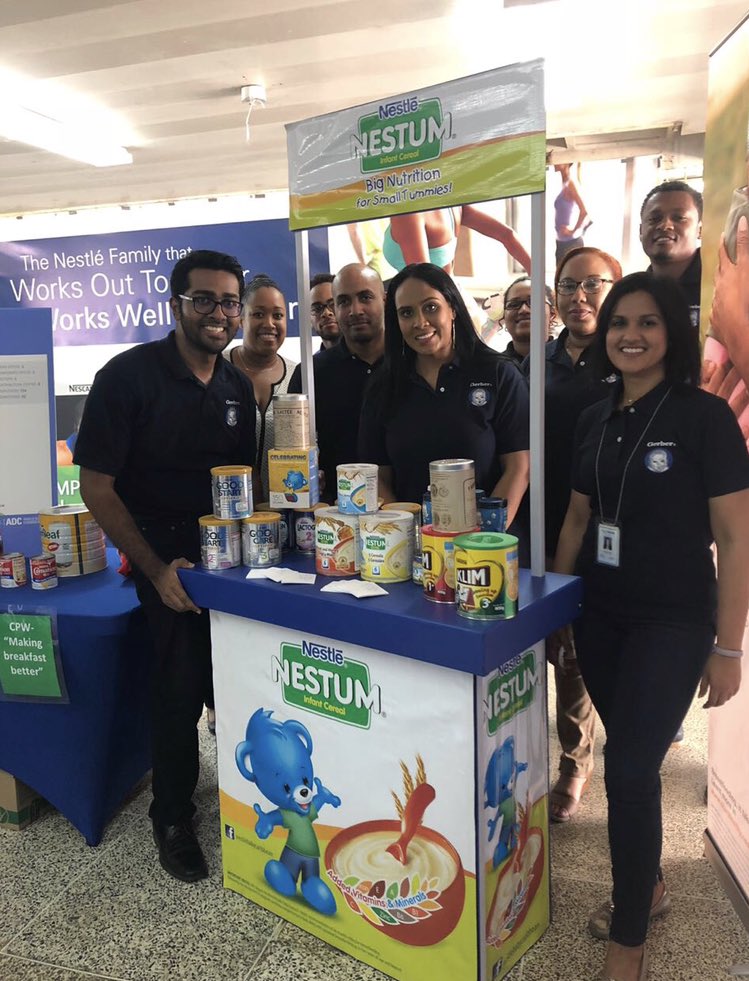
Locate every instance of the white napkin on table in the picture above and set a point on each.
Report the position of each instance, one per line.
(356, 587)
(277, 574)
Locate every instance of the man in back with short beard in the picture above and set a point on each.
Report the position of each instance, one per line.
(342, 372)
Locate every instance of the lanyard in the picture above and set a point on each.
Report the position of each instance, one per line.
(626, 465)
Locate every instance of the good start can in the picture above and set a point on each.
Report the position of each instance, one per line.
(43, 570)
(232, 492)
(417, 571)
(486, 575)
(336, 543)
(387, 540)
(12, 570)
(287, 524)
(219, 543)
(453, 487)
(357, 488)
(439, 564)
(291, 422)
(261, 539)
(304, 529)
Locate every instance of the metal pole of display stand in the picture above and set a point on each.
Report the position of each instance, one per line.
(537, 383)
(301, 245)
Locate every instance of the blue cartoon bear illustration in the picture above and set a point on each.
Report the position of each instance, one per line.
(280, 754)
(294, 481)
(499, 789)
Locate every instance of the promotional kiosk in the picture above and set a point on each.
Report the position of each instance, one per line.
(412, 742)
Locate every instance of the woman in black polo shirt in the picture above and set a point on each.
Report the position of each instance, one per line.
(442, 393)
(660, 471)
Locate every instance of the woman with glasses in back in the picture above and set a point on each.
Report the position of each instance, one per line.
(264, 331)
(583, 279)
(517, 318)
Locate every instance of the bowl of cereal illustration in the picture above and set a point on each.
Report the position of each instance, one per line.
(405, 879)
(517, 884)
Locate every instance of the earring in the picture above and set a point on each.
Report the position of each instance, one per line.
(453, 333)
(403, 347)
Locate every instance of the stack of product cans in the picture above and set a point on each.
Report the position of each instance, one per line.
(450, 511)
(220, 532)
(292, 464)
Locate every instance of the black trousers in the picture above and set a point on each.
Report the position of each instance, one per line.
(181, 681)
(642, 679)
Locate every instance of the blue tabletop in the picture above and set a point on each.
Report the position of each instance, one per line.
(403, 622)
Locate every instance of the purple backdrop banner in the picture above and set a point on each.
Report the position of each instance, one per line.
(114, 288)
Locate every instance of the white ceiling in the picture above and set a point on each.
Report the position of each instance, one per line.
(172, 69)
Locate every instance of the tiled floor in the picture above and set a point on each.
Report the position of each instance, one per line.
(69, 912)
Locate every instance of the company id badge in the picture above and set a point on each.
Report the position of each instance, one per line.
(609, 543)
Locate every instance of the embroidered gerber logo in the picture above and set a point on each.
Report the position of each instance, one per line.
(659, 461)
(479, 396)
(231, 416)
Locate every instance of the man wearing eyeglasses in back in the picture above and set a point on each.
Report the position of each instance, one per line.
(157, 418)
(322, 308)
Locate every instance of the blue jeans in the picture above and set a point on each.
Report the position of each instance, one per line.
(642, 679)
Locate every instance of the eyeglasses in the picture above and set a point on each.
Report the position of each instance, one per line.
(517, 304)
(318, 309)
(206, 304)
(591, 284)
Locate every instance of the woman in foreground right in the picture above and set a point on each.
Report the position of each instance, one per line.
(660, 471)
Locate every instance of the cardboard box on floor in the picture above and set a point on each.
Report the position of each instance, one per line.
(19, 804)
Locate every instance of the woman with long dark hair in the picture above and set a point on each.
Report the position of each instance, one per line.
(442, 393)
(660, 471)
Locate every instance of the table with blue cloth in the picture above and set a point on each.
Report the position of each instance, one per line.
(84, 757)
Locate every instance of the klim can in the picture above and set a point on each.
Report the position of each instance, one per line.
(486, 575)
(439, 564)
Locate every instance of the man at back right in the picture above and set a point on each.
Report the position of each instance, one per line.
(670, 230)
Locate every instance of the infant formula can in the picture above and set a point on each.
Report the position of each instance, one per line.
(291, 422)
(74, 538)
(387, 542)
(287, 524)
(486, 575)
(12, 570)
(261, 539)
(304, 529)
(220, 546)
(336, 542)
(453, 486)
(439, 564)
(415, 510)
(492, 514)
(357, 488)
(43, 570)
(426, 508)
(232, 492)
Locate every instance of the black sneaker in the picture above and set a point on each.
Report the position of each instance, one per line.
(179, 852)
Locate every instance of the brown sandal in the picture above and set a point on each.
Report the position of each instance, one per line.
(567, 805)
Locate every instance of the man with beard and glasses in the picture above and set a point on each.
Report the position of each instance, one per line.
(341, 373)
(157, 418)
(322, 310)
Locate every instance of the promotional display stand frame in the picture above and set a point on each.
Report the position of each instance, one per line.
(465, 700)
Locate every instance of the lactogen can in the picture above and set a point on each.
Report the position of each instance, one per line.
(439, 564)
(387, 540)
(337, 542)
(287, 524)
(291, 422)
(43, 570)
(357, 488)
(417, 572)
(486, 575)
(71, 534)
(232, 492)
(453, 487)
(304, 529)
(219, 543)
(261, 539)
(12, 570)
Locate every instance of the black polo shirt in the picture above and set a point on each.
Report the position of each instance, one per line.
(570, 388)
(692, 451)
(340, 380)
(158, 430)
(691, 283)
(478, 411)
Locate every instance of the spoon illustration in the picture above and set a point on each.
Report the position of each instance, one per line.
(413, 812)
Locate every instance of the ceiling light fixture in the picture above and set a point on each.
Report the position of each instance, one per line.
(43, 115)
(253, 95)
